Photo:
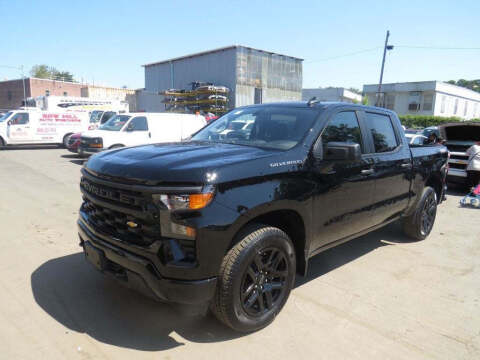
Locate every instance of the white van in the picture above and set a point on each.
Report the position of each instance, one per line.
(19, 127)
(138, 129)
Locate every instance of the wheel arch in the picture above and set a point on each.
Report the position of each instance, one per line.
(287, 220)
(114, 146)
(435, 182)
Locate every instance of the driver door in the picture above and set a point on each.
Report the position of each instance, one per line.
(342, 205)
(19, 129)
(137, 132)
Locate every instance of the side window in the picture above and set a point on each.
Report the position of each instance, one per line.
(107, 115)
(343, 128)
(20, 119)
(138, 124)
(381, 128)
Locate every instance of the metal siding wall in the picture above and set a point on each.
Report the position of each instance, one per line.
(218, 68)
(279, 77)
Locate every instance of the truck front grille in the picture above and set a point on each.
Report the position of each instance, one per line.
(126, 215)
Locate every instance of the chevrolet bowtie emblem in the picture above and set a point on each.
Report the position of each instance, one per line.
(132, 224)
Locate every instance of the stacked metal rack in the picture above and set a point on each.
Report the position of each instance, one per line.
(203, 97)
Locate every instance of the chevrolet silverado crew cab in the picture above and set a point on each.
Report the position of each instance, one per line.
(228, 218)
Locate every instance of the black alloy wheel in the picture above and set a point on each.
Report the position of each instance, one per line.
(429, 212)
(264, 283)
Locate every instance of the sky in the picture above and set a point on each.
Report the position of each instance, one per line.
(341, 42)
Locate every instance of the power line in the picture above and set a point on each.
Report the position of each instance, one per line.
(436, 47)
(345, 55)
(396, 46)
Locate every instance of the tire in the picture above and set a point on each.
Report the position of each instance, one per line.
(65, 140)
(2, 143)
(255, 280)
(419, 225)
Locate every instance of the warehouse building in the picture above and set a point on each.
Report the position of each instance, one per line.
(426, 98)
(253, 76)
(332, 94)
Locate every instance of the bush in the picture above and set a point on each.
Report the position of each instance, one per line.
(423, 121)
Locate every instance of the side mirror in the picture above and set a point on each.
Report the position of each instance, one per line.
(130, 128)
(9, 122)
(342, 151)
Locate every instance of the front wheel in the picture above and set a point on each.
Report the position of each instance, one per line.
(65, 140)
(255, 279)
(419, 225)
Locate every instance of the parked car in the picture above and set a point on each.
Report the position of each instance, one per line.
(416, 139)
(74, 142)
(21, 127)
(458, 138)
(100, 117)
(431, 130)
(229, 220)
(140, 128)
(413, 131)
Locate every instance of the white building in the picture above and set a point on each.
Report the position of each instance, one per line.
(331, 94)
(426, 98)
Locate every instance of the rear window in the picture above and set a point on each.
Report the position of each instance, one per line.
(381, 129)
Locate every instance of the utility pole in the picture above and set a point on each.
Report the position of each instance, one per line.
(386, 47)
(24, 93)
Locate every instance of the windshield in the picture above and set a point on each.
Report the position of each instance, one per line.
(6, 116)
(273, 127)
(95, 116)
(116, 123)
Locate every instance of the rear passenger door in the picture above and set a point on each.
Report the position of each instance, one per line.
(392, 166)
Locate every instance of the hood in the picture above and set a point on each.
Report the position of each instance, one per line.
(192, 163)
(463, 131)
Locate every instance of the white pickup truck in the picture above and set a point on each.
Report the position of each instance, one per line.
(459, 137)
(139, 129)
(20, 127)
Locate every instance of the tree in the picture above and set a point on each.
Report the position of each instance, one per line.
(469, 84)
(40, 71)
(43, 71)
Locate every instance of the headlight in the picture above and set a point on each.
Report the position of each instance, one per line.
(173, 202)
(186, 202)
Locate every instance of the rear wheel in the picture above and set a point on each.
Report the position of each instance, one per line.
(255, 279)
(419, 225)
(2, 143)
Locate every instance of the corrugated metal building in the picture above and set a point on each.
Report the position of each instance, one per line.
(252, 75)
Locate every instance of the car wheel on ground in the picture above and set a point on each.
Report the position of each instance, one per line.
(65, 140)
(2, 143)
(255, 280)
(420, 223)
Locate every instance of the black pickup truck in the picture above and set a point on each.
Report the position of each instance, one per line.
(229, 217)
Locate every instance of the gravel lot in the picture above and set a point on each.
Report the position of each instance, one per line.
(376, 297)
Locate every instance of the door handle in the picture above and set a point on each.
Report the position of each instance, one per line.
(367, 171)
(149, 134)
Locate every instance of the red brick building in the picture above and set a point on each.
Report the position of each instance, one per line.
(11, 92)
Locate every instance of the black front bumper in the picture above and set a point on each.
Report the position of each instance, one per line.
(140, 274)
